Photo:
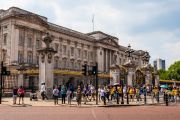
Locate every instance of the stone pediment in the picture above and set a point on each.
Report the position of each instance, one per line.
(32, 18)
(109, 41)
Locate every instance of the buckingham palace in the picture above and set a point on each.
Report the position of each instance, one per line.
(21, 34)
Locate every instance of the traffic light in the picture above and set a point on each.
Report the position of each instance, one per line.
(5, 72)
(84, 70)
(94, 70)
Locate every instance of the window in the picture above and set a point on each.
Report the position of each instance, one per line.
(56, 46)
(64, 49)
(21, 37)
(72, 51)
(56, 62)
(64, 63)
(4, 55)
(30, 57)
(91, 55)
(79, 53)
(29, 43)
(20, 57)
(37, 44)
(119, 60)
(72, 64)
(60, 48)
(5, 38)
(85, 54)
(78, 65)
(37, 59)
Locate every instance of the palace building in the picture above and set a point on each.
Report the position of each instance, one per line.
(21, 34)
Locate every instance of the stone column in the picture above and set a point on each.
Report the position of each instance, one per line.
(46, 73)
(20, 80)
(148, 78)
(156, 80)
(115, 76)
(46, 65)
(129, 78)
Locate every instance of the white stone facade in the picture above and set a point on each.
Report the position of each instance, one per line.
(21, 36)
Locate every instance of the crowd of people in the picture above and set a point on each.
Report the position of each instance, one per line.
(87, 93)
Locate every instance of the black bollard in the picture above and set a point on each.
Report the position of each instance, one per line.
(145, 100)
(158, 97)
(145, 93)
(166, 97)
(127, 98)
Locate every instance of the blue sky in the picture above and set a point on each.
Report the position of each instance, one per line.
(152, 25)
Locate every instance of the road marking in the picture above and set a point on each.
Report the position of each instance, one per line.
(93, 113)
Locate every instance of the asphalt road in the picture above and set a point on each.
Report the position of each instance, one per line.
(91, 113)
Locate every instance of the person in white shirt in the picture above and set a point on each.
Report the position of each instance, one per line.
(69, 96)
(43, 91)
(55, 95)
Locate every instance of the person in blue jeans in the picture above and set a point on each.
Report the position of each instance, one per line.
(63, 94)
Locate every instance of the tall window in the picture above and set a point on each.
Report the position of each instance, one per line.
(37, 44)
(78, 65)
(64, 49)
(56, 62)
(72, 64)
(72, 51)
(64, 63)
(20, 56)
(5, 38)
(30, 57)
(37, 59)
(4, 55)
(85, 54)
(29, 42)
(79, 53)
(91, 55)
(56, 45)
(21, 37)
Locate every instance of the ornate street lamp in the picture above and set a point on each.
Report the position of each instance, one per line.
(146, 68)
(129, 65)
(46, 64)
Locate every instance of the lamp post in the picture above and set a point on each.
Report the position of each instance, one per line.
(46, 64)
(146, 58)
(129, 65)
(122, 97)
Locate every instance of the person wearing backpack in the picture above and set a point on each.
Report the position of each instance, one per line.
(63, 94)
(21, 93)
(55, 95)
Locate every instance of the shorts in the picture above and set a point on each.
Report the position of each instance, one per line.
(21, 95)
(14, 96)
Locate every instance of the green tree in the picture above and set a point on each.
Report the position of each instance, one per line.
(163, 74)
(174, 71)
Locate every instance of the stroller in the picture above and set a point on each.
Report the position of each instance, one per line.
(33, 96)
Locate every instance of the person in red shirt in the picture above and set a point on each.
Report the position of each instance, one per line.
(21, 93)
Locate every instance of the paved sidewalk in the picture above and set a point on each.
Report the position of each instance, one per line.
(8, 102)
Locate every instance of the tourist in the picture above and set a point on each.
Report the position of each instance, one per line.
(78, 96)
(59, 88)
(15, 93)
(102, 94)
(69, 96)
(63, 94)
(21, 93)
(55, 95)
(43, 91)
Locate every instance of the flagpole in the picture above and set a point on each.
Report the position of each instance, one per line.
(93, 22)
